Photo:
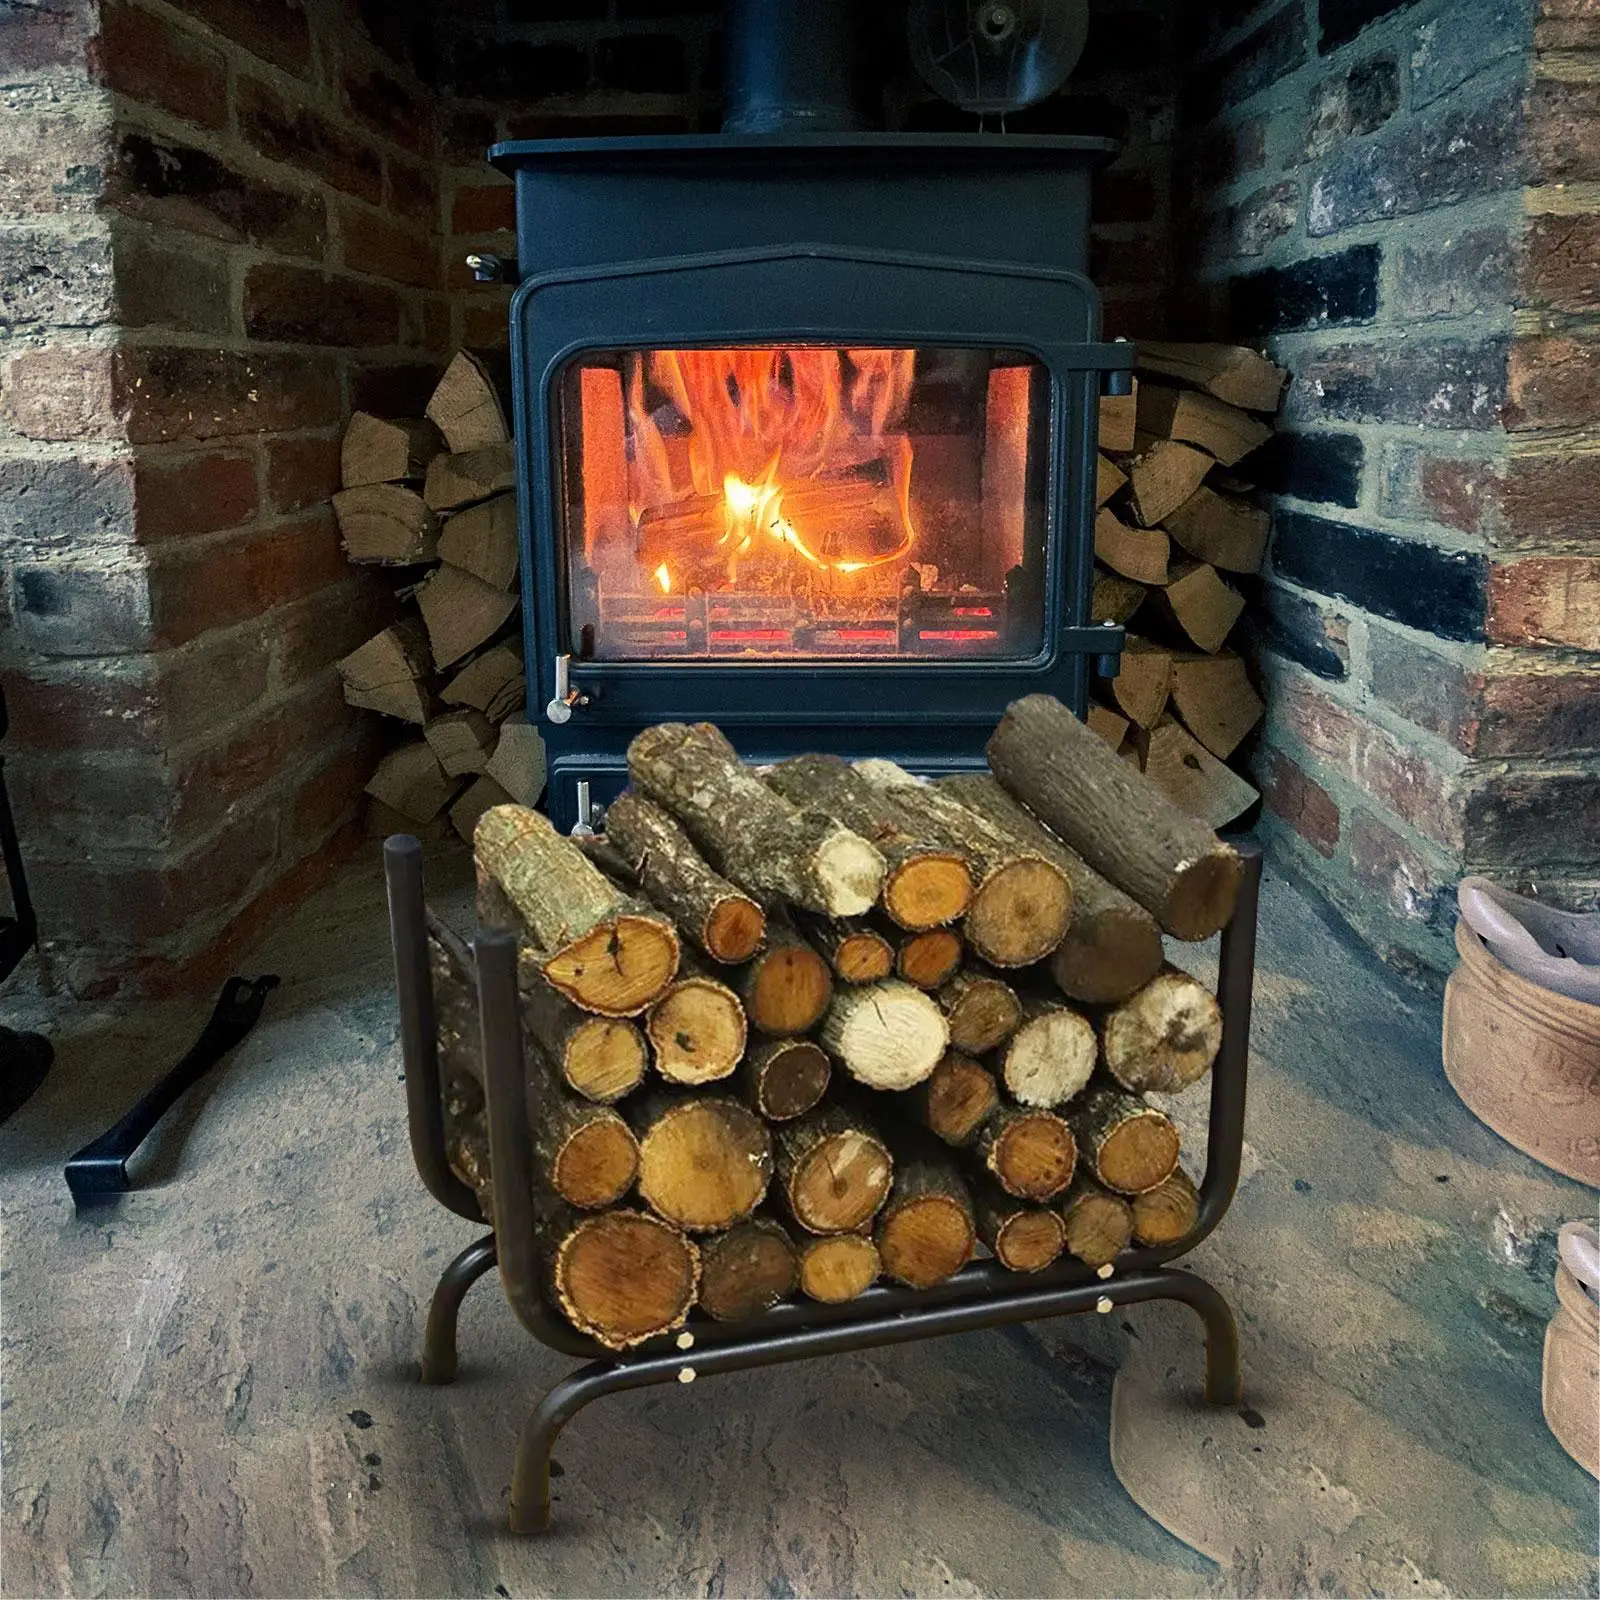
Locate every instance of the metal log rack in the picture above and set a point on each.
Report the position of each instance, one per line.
(983, 1295)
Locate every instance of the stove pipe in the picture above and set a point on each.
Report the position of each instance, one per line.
(790, 66)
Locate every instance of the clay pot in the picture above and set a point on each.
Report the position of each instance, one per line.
(1525, 1060)
(1572, 1373)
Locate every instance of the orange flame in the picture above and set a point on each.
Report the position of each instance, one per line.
(664, 578)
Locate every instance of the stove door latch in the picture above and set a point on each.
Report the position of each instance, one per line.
(566, 697)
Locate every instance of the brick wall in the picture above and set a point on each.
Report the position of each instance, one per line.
(1390, 195)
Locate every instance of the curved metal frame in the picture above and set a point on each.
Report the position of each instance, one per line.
(983, 1295)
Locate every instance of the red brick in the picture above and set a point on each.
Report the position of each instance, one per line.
(188, 494)
(412, 191)
(300, 472)
(63, 392)
(1546, 600)
(299, 305)
(1551, 496)
(486, 324)
(1306, 806)
(377, 243)
(1389, 866)
(142, 55)
(1562, 272)
(1529, 823)
(1553, 383)
(389, 107)
(1460, 493)
(1564, 130)
(177, 392)
(307, 140)
(311, 634)
(1538, 713)
(275, 30)
(489, 208)
(167, 280)
(331, 797)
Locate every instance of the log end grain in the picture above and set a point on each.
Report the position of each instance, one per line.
(788, 1077)
(697, 1030)
(840, 1183)
(788, 989)
(1203, 893)
(605, 1059)
(597, 1165)
(1029, 1240)
(734, 929)
(1020, 913)
(747, 1270)
(929, 960)
(1165, 1037)
(982, 1012)
(927, 891)
(958, 1099)
(1050, 1057)
(1167, 1213)
(838, 1268)
(887, 1035)
(1099, 1224)
(1138, 1153)
(925, 1240)
(1031, 1154)
(704, 1163)
(849, 873)
(863, 956)
(623, 1277)
(617, 968)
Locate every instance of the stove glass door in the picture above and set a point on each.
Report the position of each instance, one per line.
(804, 503)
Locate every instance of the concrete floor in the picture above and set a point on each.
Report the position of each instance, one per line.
(210, 1389)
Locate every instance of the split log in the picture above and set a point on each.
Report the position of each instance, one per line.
(493, 683)
(1167, 1213)
(386, 450)
(1109, 725)
(785, 1078)
(1200, 604)
(885, 1035)
(1108, 479)
(788, 986)
(483, 541)
(1214, 696)
(1163, 477)
(621, 1277)
(834, 1172)
(1119, 420)
(727, 924)
(1115, 598)
(462, 740)
(696, 1030)
(461, 612)
(1123, 826)
(749, 832)
(1163, 1038)
(604, 951)
(926, 884)
(1030, 1154)
(1127, 1144)
(1140, 554)
(1024, 1238)
(982, 1011)
(747, 1270)
(929, 959)
(463, 477)
(925, 1232)
(1050, 1057)
(389, 673)
(1143, 685)
(956, 1101)
(1230, 372)
(838, 1268)
(704, 1160)
(1192, 778)
(1222, 530)
(482, 794)
(1099, 1223)
(386, 525)
(1113, 944)
(1021, 902)
(1219, 429)
(856, 950)
(518, 762)
(411, 780)
(465, 407)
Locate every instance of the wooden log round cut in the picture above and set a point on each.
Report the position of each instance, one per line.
(1024, 1238)
(925, 1232)
(604, 1058)
(957, 1100)
(929, 959)
(983, 1011)
(838, 1268)
(623, 1277)
(885, 1035)
(856, 950)
(1167, 1213)
(1099, 1223)
(833, 1169)
(788, 986)
(785, 1078)
(1030, 1154)
(704, 1162)
(1130, 1146)
(1165, 1037)
(1050, 1057)
(598, 1162)
(697, 1029)
(747, 1270)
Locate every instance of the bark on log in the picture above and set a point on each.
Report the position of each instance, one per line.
(1099, 1223)
(747, 1270)
(982, 1011)
(929, 960)
(834, 1172)
(1050, 1057)
(856, 950)
(925, 884)
(1167, 1213)
(1163, 1038)
(956, 1101)
(386, 525)
(465, 407)
(704, 1160)
(381, 450)
(620, 1276)
(463, 477)
(604, 951)
(1113, 945)
(1128, 1145)
(788, 987)
(925, 1232)
(696, 1030)
(1024, 1238)
(749, 832)
(1124, 827)
(1030, 1154)
(885, 1035)
(785, 1078)
(838, 1268)
(724, 922)
(1021, 902)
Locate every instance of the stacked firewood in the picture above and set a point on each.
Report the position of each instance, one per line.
(1174, 530)
(829, 1022)
(435, 497)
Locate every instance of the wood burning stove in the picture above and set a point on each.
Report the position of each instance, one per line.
(806, 426)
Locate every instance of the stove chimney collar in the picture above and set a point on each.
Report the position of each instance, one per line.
(791, 66)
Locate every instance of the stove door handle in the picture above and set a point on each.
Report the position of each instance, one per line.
(566, 697)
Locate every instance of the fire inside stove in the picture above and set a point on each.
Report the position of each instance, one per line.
(804, 502)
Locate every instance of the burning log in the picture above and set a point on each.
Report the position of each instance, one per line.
(885, 1035)
(1163, 1038)
(857, 951)
(1167, 1213)
(1023, 1238)
(785, 1078)
(748, 831)
(1123, 827)
(704, 1160)
(1127, 1144)
(982, 1011)
(788, 987)
(376, 450)
(697, 1030)
(957, 1100)
(926, 884)
(727, 924)
(606, 952)
(925, 1232)
(834, 1172)
(838, 1268)
(747, 1270)
(1030, 1154)
(930, 959)
(1022, 903)
(621, 1277)
(1099, 1223)
(1050, 1057)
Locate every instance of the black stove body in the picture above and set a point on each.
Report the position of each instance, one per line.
(806, 426)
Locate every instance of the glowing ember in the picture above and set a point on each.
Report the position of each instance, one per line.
(664, 578)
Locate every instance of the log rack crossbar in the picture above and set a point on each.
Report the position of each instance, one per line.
(984, 1295)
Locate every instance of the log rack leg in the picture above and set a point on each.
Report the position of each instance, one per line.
(1224, 1376)
(439, 1341)
(530, 1476)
